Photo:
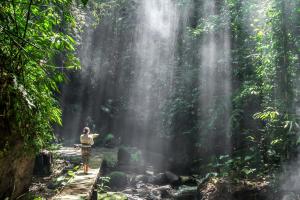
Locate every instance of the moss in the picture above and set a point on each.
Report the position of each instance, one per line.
(108, 138)
(110, 158)
(112, 196)
(117, 179)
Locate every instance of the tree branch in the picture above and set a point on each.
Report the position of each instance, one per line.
(15, 17)
(27, 19)
(23, 40)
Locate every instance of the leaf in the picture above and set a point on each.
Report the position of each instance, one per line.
(71, 173)
(276, 141)
(248, 171)
(229, 161)
(247, 158)
(250, 138)
(60, 178)
(84, 2)
(224, 157)
(298, 141)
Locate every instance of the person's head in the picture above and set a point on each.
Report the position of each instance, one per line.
(86, 130)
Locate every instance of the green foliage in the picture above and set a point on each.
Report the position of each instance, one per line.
(38, 198)
(71, 173)
(136, 157)
(34, 51)
(103, 185)
(266, 72)
(64, 179)
(36, 47)
(265, 79)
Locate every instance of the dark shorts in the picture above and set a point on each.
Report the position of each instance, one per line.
(86, 153)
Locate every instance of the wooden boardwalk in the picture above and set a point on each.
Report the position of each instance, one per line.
(82, 185)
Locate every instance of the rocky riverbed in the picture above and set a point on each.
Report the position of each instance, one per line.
(169, 186)
(132, 180)
(150, 186)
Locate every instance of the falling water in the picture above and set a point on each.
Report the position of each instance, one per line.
(129, 66)
(291, 177)
(215, 78)
(73, 113)
(154, 62)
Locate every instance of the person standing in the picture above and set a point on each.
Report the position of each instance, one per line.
(86, 140)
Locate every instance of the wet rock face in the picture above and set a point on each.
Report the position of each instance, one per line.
(16, 171)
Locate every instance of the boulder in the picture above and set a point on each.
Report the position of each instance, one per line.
(164, 179)
(110, 141)
(118, 179)
(130, 160)
(172, 178)
(186, 193)
(140, 178)
(158, 179)
(43, 163)
(188, 180)
(165, 191)
(124, 156)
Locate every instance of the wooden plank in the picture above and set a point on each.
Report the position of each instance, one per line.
(82, 185)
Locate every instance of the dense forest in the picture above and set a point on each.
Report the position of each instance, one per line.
(204, 93)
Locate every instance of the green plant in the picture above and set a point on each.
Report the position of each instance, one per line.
(136, 156)
(103, 185)
(38, 198)
(112, 196)
(31, 43)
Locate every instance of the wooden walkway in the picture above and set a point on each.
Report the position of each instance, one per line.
(82, 185)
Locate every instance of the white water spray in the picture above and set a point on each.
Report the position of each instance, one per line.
(215, 76)
(154, 63)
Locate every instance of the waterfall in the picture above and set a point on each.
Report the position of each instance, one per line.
(130, 69)
(215, 77)
(155, 38)
(72, 111)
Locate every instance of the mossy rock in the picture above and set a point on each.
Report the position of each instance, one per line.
(109, 138)
(129, 155)
(112, 196)
(118, 179)
(124, 155)
(110, 159)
